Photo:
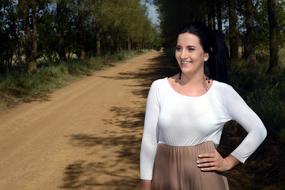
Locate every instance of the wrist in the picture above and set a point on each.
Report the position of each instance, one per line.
(230, 162)
(145, 184)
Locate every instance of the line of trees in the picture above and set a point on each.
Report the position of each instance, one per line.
(55, 30)
(252, 27)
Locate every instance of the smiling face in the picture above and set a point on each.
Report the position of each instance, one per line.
(190, 54)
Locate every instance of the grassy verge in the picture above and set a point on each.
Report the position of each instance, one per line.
(265, 94)
(19, 86)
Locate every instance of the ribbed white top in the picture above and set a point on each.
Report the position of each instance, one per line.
(180, 120)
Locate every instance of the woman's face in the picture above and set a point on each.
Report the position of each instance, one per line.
(190, 54)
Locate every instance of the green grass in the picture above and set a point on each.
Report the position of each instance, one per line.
(265, 94)
(19, 86)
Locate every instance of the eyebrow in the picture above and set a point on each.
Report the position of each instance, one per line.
(191, 46)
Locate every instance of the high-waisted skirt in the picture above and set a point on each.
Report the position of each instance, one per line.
(175, 168)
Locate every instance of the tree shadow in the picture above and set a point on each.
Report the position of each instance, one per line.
(111, 171)
(83, 174)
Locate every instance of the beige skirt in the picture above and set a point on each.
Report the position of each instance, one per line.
(175, 168)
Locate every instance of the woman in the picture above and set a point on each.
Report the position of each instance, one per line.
(185, 115)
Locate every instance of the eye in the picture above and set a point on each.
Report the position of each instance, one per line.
(178, 48)
(190, 48)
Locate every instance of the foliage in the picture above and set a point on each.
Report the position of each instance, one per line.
(252, 24)
(265, 95)
(59, 29)
(173, 15)
(263, 91)
(18, 85)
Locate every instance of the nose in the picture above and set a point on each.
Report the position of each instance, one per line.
(183, 54)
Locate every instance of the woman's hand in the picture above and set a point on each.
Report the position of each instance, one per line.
(215, 162)
(145, 185)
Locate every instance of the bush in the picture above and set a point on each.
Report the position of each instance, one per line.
(19, 85)
(265, 94)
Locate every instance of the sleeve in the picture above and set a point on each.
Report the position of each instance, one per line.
(149, 139)
(239, 111)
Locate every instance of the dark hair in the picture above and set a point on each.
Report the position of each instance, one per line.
(212, 42)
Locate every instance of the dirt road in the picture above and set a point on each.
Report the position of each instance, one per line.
(86, 136)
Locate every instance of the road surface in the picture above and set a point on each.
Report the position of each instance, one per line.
(85, 136)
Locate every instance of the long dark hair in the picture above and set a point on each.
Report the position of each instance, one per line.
(213, 43)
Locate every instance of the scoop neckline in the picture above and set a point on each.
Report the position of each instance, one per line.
(183, 95)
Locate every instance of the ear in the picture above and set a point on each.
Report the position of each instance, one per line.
(206, 56)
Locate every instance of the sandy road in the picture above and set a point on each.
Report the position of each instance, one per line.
(86, 136)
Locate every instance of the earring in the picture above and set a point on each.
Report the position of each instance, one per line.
(207, 79)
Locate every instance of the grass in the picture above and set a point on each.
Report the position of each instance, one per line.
(19, 86)
(265, 94)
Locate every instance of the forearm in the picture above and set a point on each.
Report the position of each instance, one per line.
(145, 185)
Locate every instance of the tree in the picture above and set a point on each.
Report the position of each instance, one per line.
(233, 32)
(219, 15)
(249, 44)
(29, 17)
(273, 32)
(9, 38)
(61, 25)
(55, 29)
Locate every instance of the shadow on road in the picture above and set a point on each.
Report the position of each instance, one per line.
(94, 175)
(102, 175)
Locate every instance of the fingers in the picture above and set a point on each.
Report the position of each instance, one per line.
(208, 164)
(205, 160)
(206, 155)
(210, 161)
(209, 169)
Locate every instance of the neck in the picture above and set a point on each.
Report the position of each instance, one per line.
(192, 79)
(195, 81)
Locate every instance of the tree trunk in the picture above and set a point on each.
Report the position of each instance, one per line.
(61, 50)
(273, 34)
(112, 45)
(233, 33)
(210, 21)
(219, 14)
(32, 65)
(98, 42)
(27, 33)
(118, 45)
(81, 34)
(82, 54)
(129, 44)
(60, 8)
(211, 15)
(30, 33)
(249, 45)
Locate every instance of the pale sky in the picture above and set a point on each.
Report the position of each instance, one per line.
(151, 11)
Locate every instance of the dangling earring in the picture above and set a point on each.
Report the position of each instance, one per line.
(207, 79)
(206, 70)
(180, 73)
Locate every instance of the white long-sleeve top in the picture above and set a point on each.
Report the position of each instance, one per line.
(179, 120)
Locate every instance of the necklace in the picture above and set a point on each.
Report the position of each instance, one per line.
(206, 79)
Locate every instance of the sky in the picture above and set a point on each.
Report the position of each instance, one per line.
(151, 11)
